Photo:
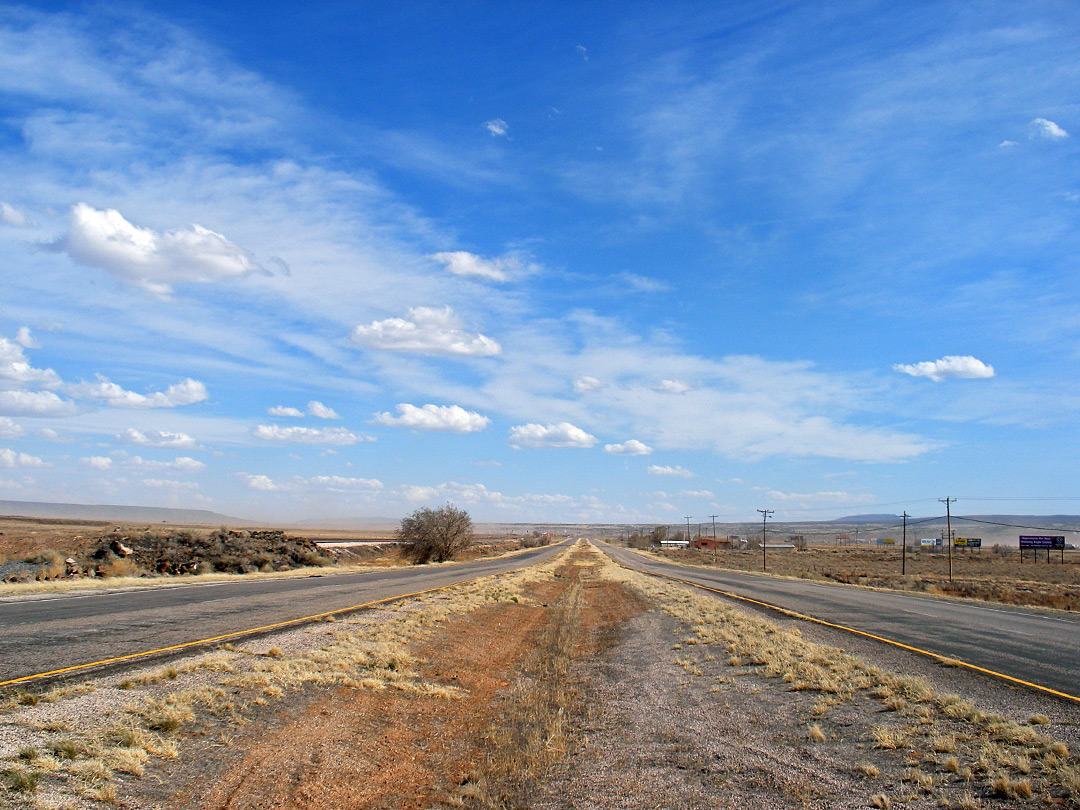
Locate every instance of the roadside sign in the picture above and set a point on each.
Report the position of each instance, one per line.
(889, 541)
(928, 542)
(1041, 541)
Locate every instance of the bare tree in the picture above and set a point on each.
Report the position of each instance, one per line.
(435, 534)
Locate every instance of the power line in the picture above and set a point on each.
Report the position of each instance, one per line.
(1017, 525)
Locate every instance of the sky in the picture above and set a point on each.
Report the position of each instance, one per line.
(590, 262)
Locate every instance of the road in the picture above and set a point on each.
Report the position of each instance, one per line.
(56, 631)
(1039, 647)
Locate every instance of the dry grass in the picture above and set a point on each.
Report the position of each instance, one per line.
(359, 654)
(983, 746)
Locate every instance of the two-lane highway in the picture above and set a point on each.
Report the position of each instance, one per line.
(56, 631)
(1040, 647)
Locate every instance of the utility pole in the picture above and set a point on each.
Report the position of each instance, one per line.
(765, 514)
(714, 539)
(948, 523)
(903, 548)
(687, 527)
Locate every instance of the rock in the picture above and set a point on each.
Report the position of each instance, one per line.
(72, 567)
(120, 550)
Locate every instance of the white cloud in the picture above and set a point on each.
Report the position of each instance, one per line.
(671, 387)
(448, 418)
(951, 366)
(1007, 144)
(583, 385)
(50, 435)
(463, 263)
(186, 392)
(35, 403)
(15, 367)
(8, 429)
(337, 483)
(12, 216)
(1042, 128)
(674, 472)
(156, 438)
(644, 284)
(180, 464)
(821, 498)
(152, 261)
(628, 448)
(696, 493)
(427, 330)
(97, 462)
(281, 410)
(561, 435)
(317, 409)
(583, 51)
(497, 127)
(9, 458)
(25, 339)
(263, 483)
(304, 435)
(166, 483)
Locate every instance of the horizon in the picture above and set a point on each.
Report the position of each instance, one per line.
(615, 264)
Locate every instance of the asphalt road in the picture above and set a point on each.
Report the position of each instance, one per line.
(55, 631)
(1039, 647)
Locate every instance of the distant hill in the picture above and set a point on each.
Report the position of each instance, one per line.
(865, 519)
(115, 514)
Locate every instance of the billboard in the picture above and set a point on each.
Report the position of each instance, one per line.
(889, 541)
(928, 542)
(968, 542)
(1041, 541)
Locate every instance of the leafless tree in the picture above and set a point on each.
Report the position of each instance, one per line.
(435, 534)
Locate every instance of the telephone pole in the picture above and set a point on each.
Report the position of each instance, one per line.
(765, 515)
(948, 523)
(903, 548)
(713, 538)
(688, 527)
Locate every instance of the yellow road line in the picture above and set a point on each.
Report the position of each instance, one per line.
(793, 614)
(249, 631)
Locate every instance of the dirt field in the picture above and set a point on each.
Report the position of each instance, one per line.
(983, 574)
(574, 684)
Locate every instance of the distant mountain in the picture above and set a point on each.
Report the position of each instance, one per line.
(116, 514)
(866, 519)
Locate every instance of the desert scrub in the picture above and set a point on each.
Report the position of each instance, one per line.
(983, 746)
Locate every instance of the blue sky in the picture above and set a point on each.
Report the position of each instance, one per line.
(580, 262)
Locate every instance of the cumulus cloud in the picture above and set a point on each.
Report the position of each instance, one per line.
(500, 269)
(1007, 144)
(671, 387)
(1043, 128)
(447, 418)
(585, 384)
(15, 368)
(25, 339)
(951, 366)
(186, 392)
(497, 127)
(629, 448)
(156, 438)
(263, 483)
(674, 472)
(180, 464)
(35, 403)
(12, 216)
(426, 330)
(97, 462)
(337, 483)
(561, 435)
(8, 429)
(317, 409)
(281, 410)
(9, 458)
(304, 435)
(152, 261)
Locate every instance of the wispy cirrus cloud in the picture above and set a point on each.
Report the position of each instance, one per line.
(499, 269)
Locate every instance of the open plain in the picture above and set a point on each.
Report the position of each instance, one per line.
(573, 682)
